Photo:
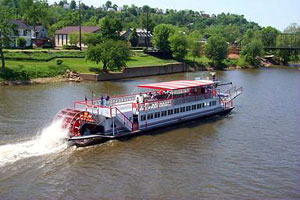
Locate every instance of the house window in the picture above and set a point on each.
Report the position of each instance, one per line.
(143, 117)
(157, 115)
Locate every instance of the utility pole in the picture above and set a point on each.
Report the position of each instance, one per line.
(79, 24)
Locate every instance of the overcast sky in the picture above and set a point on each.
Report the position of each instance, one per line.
(276, 13)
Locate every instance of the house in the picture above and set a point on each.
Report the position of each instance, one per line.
(62, 36)
(142, 36)
(32, 35)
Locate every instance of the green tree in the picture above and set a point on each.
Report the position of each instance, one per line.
(94, 39)
(179, 44)
(216, 49)
(194, 44)
(73, 5)
(110, 28)
(133, 38)
(113, 54)
(35, 12)
(161, 35)
(252, 51)
(269, 35)
(74, 38)
(5, 29)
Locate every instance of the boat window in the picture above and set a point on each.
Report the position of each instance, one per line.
(170, 112)
(188, 108)
(150, 116)
(203, 105)
(163, 113)
(214, 103)
(143, 117)
(193, 107)
(157, 115)
(210, 103)
(182, 109)
(198, 105)
(176, 110)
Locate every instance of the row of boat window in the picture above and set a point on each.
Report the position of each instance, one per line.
(177, 110)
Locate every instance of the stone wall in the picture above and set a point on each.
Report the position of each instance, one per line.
(138, 72)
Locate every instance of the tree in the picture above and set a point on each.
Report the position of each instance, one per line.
(292, 28)
(94, 39)
(179, 44)
(110, 28)
(133, 38)
(35, 12)
(194, 44)
(73, 5)
(5, 29)
(74, 38)
(161, 35)
(113, 54)
(252, 51)
(216, 49)
(269, 35)
(146, 22)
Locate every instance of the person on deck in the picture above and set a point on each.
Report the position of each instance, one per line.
(107, 100)
(102, 100)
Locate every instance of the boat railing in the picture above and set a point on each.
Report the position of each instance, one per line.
(123, 119)
(177, 100)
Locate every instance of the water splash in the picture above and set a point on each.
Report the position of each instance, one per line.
(51, 139)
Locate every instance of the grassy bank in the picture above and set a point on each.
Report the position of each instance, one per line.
(24, 69)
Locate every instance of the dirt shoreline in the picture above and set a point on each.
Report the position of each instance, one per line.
(56, 79)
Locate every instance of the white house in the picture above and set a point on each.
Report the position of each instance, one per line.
(33, 36)
(142, 36)
(62, 36)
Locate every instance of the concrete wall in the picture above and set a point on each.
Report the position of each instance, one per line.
(138, 72)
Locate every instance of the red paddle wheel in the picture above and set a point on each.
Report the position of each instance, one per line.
(73, 120)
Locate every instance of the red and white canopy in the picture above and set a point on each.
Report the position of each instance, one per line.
(175, 85)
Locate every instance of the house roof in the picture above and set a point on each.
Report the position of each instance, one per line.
(21, 24)
(72, 29)
(175, 85)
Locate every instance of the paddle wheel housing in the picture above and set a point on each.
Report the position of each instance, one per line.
(73, 120)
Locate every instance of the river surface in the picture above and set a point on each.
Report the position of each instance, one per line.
(253, 153)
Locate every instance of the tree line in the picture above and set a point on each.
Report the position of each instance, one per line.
(175, 32)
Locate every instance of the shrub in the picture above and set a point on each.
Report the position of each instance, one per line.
(59, 62)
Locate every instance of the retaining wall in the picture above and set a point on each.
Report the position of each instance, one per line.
(138, 72)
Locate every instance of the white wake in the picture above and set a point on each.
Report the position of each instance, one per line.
(51, 139)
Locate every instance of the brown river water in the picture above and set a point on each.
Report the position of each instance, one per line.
(253, 153)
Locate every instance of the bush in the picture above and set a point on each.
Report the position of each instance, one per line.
(59, 62)
(242, 62)
(70, 47)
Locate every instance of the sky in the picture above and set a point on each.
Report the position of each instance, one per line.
(276, 13)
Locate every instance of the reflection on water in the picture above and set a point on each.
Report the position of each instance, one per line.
(252, 153)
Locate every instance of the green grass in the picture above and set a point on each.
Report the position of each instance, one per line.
(43, 55)
(203, 60)
(28, 69)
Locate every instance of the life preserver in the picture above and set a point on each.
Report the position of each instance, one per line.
(214, 92)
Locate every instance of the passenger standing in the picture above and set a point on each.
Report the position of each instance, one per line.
(107, 100)
(102, 100)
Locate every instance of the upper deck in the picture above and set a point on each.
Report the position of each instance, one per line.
(165, 94)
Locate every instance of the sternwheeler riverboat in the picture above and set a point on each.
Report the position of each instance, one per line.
(164, 103)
